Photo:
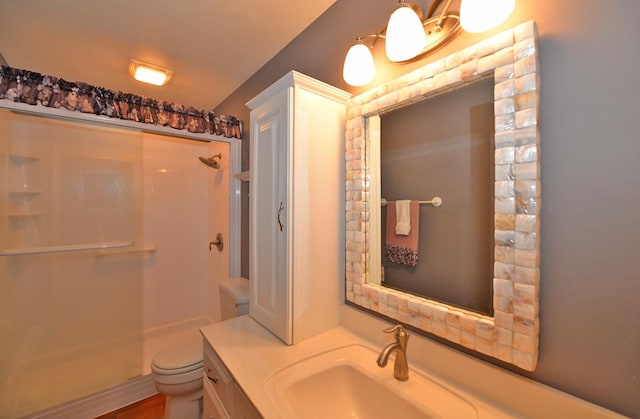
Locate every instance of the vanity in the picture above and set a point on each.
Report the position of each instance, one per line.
(267, 376)
(262, 377)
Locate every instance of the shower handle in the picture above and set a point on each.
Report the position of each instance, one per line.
(279, 211)
(219, 243)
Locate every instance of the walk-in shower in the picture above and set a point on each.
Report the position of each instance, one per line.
(104, 235)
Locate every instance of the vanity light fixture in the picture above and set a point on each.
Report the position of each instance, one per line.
(409, 36)
(482, 15)
(405, 35)
(359, 68)
(149, 73)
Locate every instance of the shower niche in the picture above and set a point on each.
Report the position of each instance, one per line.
(23, 196)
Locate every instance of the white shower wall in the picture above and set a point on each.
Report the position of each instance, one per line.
(185, 204)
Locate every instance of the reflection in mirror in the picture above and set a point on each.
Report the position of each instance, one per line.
(442, 147)
(508, 332)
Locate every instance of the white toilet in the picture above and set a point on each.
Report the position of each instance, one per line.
(234, 297)
(177, 368)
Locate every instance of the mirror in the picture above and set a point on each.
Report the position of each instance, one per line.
(441, 147)
(510, 333)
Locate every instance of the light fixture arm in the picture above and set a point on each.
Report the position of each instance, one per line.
(433, 8)
(370, 39)
(425, 21)
(443, 15)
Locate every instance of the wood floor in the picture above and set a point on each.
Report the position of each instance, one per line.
(150, 408)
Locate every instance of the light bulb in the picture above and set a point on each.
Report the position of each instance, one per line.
(405, 37)
(359, 68)
(483, 15)
(148, 73)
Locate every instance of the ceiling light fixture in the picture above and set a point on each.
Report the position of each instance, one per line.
(149, 73)
(409, 36)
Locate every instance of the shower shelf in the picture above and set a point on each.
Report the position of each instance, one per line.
(23, 158)
(243, 176)
(25, 192)
(24, 214)
(24, 173)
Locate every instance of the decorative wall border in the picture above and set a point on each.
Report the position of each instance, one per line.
(33, 88)
(511, 335)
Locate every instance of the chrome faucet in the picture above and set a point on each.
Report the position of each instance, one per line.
(400, 368)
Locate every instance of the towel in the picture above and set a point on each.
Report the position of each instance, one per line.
(402, 249)
(403, 217)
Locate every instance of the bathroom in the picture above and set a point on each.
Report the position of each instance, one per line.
(588, 57)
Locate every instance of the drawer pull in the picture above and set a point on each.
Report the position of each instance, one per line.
(214, 379)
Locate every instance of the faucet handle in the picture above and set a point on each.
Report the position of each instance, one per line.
(398, 329)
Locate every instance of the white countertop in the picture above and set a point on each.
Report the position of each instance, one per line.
(252, 355)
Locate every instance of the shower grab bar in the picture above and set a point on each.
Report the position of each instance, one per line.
(60, 249)
(436, 201)
(107, 252)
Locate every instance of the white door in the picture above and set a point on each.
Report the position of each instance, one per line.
(270, 217)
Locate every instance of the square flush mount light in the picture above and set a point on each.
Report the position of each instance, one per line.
(149, 73)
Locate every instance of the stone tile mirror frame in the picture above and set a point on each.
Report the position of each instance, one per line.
(511, 335)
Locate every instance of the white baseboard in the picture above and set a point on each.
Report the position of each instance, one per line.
(101, 403)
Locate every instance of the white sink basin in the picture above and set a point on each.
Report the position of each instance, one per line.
(347, 383)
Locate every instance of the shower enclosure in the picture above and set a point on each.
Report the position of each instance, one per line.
(80, 284)
(70, 275)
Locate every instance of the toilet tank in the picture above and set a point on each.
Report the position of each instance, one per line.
(234, 297)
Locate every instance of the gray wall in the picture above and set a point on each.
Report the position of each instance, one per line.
(444, 147)
(590, 284)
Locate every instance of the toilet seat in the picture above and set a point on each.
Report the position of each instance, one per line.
(176, 371)
(179, 357)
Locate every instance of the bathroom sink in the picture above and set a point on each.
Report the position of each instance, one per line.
(346, 383)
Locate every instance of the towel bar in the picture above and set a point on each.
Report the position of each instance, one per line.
(436, 201)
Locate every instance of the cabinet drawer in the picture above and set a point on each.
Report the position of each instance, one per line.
(212, 406)
(243, 408)
(218, 378)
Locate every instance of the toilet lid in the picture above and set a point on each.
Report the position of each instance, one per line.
(180, 356)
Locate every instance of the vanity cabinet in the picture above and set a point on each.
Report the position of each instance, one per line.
(222, 396)
(297, 206)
